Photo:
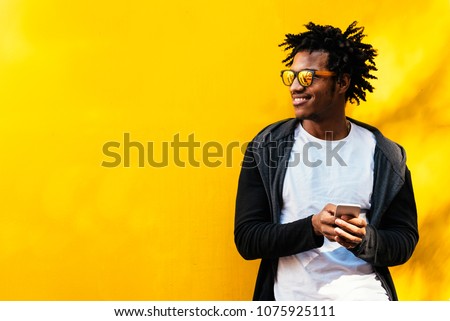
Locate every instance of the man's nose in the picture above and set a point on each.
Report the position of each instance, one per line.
(295, 86)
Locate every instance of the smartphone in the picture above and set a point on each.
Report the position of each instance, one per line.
(347, 209)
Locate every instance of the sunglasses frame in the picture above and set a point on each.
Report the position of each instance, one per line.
(322, 73)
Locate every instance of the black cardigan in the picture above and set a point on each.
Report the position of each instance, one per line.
(391, 234)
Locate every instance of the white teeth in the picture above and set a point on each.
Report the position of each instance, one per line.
(299, 99)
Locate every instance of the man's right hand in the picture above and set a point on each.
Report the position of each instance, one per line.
(323, 222)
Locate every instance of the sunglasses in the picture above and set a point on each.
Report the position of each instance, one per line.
(305, 77)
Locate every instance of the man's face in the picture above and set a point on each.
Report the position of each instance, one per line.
(320, 100)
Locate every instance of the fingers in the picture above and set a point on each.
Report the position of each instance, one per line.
(346, 238)
(350, 233)
(355, 226)
(330, 208)
(323, 222)
(345, 243)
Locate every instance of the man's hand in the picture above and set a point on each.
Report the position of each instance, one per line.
(323, 222)
(349, 231)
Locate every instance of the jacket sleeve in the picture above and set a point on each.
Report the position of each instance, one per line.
(255, 233)
(394, 240)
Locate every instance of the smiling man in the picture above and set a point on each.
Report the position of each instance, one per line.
(300, 175)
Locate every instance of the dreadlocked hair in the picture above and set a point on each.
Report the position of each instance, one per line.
(346, 54)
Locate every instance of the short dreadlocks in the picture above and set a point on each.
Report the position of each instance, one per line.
(346, 54)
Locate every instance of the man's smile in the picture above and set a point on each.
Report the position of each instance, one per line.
(298, 99)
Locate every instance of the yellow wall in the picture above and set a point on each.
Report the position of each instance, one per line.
(75, 75)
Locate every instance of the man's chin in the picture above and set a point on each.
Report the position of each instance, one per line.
(300, 115)
(304, 116)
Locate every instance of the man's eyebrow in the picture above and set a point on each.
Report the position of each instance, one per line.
(313, 69)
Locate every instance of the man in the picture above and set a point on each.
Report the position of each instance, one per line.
(297, 170)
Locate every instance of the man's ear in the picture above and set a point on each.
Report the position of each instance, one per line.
(344, 83)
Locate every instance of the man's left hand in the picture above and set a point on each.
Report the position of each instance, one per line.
(350, 231)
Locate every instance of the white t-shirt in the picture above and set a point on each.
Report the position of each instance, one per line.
(321, 172)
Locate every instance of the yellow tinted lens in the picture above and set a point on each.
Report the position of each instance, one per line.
(288, 77)
(305, 78)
